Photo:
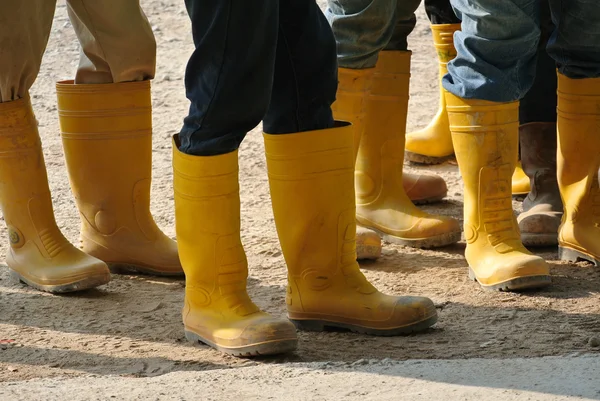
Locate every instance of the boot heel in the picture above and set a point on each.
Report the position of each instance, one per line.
(571, 255)
(15, 277)
(309, 325)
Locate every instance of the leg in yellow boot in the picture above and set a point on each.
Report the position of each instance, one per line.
(578, 162)
(107, 138)
(381, 202)
(217, 308)
(39, 254)
(351, 96)
(311, 181)
(485, 137)
(520, 182)
(433, 144)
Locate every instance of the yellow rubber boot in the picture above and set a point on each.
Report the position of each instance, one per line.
(485, 136)
(433, 144)
(107, 138)
(520, 181)
(217, 310)
(39, 254)
(311, 181)
(351, 96)
(577, 164)
(381, 202)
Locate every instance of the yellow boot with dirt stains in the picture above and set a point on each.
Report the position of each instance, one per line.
(218, 310)
(312, 192)
(433, 144)
(485, 136)
(381, 202)
(39, 254)
(107, 138)
(578, 162)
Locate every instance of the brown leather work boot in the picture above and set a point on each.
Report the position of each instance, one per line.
(542, 208)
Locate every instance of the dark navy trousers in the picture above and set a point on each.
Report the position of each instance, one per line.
(269, 60)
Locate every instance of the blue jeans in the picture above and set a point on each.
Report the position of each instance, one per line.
(363, 28)
(270, 60)
(496, 49)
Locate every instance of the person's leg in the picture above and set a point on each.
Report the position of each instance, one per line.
(576, 50)
(311, 180)
(106, 123)
(228, 81)
(366, 31)
(39, 254)
(542, 208)
(433, 144)
(493, 69)
(117, 43)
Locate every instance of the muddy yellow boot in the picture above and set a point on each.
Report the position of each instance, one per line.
(107, 138)
(485, 136)
(39, 254)
(433, 144)
(312, 192)
(577, 164)
(381, 203)
(218, 310)
(351, 96)
(520, 182)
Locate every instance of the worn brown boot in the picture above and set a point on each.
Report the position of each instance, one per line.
(542, 208)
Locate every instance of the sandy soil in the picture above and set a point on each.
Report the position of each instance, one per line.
(132, 326)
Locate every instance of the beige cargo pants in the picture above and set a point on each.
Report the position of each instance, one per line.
(117, 43)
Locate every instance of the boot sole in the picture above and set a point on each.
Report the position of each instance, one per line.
(428, 201)
(80, 285)
(127, 268)
(324, 325)
(535, 240)
(425, 243)
(365, 252)
(266, 348)
(422, 159)
(573, 255)
(516, 284)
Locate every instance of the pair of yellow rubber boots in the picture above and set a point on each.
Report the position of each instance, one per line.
(107, 138)
(312, 191)
(433, 144)
(375, 100)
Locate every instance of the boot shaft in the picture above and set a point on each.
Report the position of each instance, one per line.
(351, 97)
(107, 139)
(381, 151)
(485, 137)
(24, 193)
(578, 156)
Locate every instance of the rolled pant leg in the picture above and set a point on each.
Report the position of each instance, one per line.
(405, 21)
(440, 12)
(24, 31)
(496, 49)
(305, 76)
(576, 44)
(539, 104)
(229, 76)
(117, 43)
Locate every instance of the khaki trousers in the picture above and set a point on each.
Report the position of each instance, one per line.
(117, 43)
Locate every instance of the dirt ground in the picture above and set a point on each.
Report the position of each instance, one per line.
(132, 326)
